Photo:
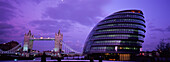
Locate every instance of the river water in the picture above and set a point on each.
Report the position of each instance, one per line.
(48, 59)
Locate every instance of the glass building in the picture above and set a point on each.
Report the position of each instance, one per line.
(117, 37)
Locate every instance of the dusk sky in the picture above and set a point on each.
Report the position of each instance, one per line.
(76, 18)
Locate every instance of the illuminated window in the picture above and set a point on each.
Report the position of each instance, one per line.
(129, 48)
(133, 11)
(128, 25)
(120, 35)
(120, 30)
(138, 11)
(126, 20)
(120, 47)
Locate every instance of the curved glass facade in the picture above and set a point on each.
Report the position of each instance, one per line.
(121, 32)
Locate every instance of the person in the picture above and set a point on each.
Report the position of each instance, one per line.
(91, 59)
(117, 57)
(43, 57)
(59, 59)
(100, 59)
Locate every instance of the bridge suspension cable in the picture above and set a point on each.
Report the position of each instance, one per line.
(14, 48)
(65, 45)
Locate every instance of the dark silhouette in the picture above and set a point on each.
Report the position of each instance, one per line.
(91, 59)
(163, 49)
(117, 57)
(9, 45)
(43, 57)
(59, 59)
(100, 59)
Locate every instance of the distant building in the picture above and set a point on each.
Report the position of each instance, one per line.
(117, 37)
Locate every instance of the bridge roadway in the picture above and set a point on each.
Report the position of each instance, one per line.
(41, 38)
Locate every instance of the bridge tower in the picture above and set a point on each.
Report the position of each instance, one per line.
(58, 42)
(27, 42)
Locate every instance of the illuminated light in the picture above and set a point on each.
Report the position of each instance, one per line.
(138, 11)
(133, 11)
(25, 47)
(119, 41)
(15, 59)
(134, 48)
(56, 49)
(107, 54)
(120, 47)
(127, 48)
(41, 37)
(140, 49)
(22, 54)
(143, 54)
(114, 19)
(115, 48)
(112, 59)
(150, 55)
(33, 59)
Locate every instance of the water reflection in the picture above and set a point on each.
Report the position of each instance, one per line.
(38, 59)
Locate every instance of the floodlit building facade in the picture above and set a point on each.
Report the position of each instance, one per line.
(117, 37)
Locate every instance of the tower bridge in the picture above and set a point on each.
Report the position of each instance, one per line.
(29, 38)
(60, 47)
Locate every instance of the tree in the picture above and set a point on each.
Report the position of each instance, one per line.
(163, 49)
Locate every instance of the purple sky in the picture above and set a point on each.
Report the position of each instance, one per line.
(76, 18)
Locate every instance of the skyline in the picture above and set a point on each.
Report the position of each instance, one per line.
(75, 21)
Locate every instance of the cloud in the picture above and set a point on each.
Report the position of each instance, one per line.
(10, 32)
(6, 11)
(51, 26)
(168, 29)
(6, 5)
(158, 29)
(37, 1)
(2, 41)
(5, 31)
(81, 11)
(167, 38)
(4, 28)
